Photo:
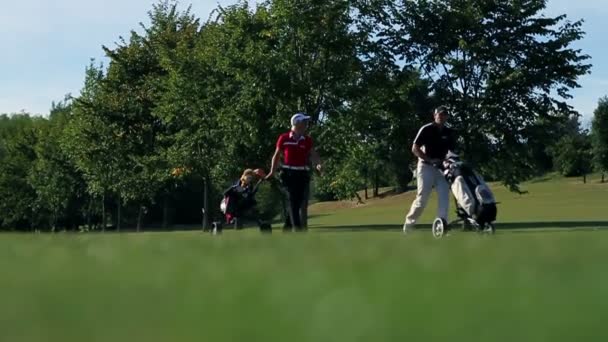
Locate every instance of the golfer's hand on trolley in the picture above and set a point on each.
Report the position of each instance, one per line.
(270, 175)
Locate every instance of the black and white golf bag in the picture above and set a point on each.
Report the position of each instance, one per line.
(475, 201)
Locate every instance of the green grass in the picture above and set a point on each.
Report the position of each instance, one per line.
(327, 285)
(554, 202)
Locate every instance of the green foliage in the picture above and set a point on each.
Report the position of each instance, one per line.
(59, 187)
(497, 64)
(268, 202)
(19, 136)
(88, 137)
(188, 104)
(599, 135)
(39, 184)
(573, 155)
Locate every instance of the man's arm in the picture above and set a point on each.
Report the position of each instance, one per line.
(417, 151)
(419, 141)
(316, 159)
(274, 163)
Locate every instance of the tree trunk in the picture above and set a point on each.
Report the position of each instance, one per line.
(166, 212)
(603, 177)
(376, 184)
(89, 219)
(584, 178)
(118, 214)
(359, 200)
(205, 203)
(103, 213)
(366, 174)
(140, 216)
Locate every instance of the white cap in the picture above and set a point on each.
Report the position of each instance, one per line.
(296, 119)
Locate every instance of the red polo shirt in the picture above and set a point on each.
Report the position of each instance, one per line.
(295, 150)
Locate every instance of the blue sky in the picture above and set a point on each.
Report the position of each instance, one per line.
(47, 44)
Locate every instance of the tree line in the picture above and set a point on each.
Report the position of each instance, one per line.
(185, 103)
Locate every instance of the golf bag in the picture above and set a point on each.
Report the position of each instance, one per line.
(475, 201)
(237, 205)
(237, 201)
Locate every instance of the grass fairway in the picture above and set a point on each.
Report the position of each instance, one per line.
(366, 286)
(551, 202)
(327, 285)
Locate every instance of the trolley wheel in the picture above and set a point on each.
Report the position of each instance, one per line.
(440, 228)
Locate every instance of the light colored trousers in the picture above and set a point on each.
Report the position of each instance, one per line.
(429, 177)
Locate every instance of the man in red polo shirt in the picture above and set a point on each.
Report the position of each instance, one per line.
(297, 150)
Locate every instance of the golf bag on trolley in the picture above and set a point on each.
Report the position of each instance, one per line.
(238, 203)
(475, 202)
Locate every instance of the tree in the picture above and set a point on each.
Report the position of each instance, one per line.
(388, 111)
(121, 136)
(348, 170)
(496, 64)
(599, 134)
(264, 64)
(316, 54)
(236, 53)
(546, 131)
(18, 136)
(60, 188)
(137, 81)
(573, 156)
(91, 141)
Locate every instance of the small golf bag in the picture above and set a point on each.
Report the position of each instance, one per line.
(238, 205)
(237, 201)
(475, 202)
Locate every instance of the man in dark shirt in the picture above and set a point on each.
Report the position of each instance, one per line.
(431, 146)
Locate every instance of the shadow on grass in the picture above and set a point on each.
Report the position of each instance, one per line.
(314, 216)
(507, 226)
(565, 225)
(543, 179)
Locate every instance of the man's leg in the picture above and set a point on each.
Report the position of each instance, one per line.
(443, 195)
(300, 181)
(295, 204)
(304, 206)
(425, 177)
(294, 182)
(286, 186)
